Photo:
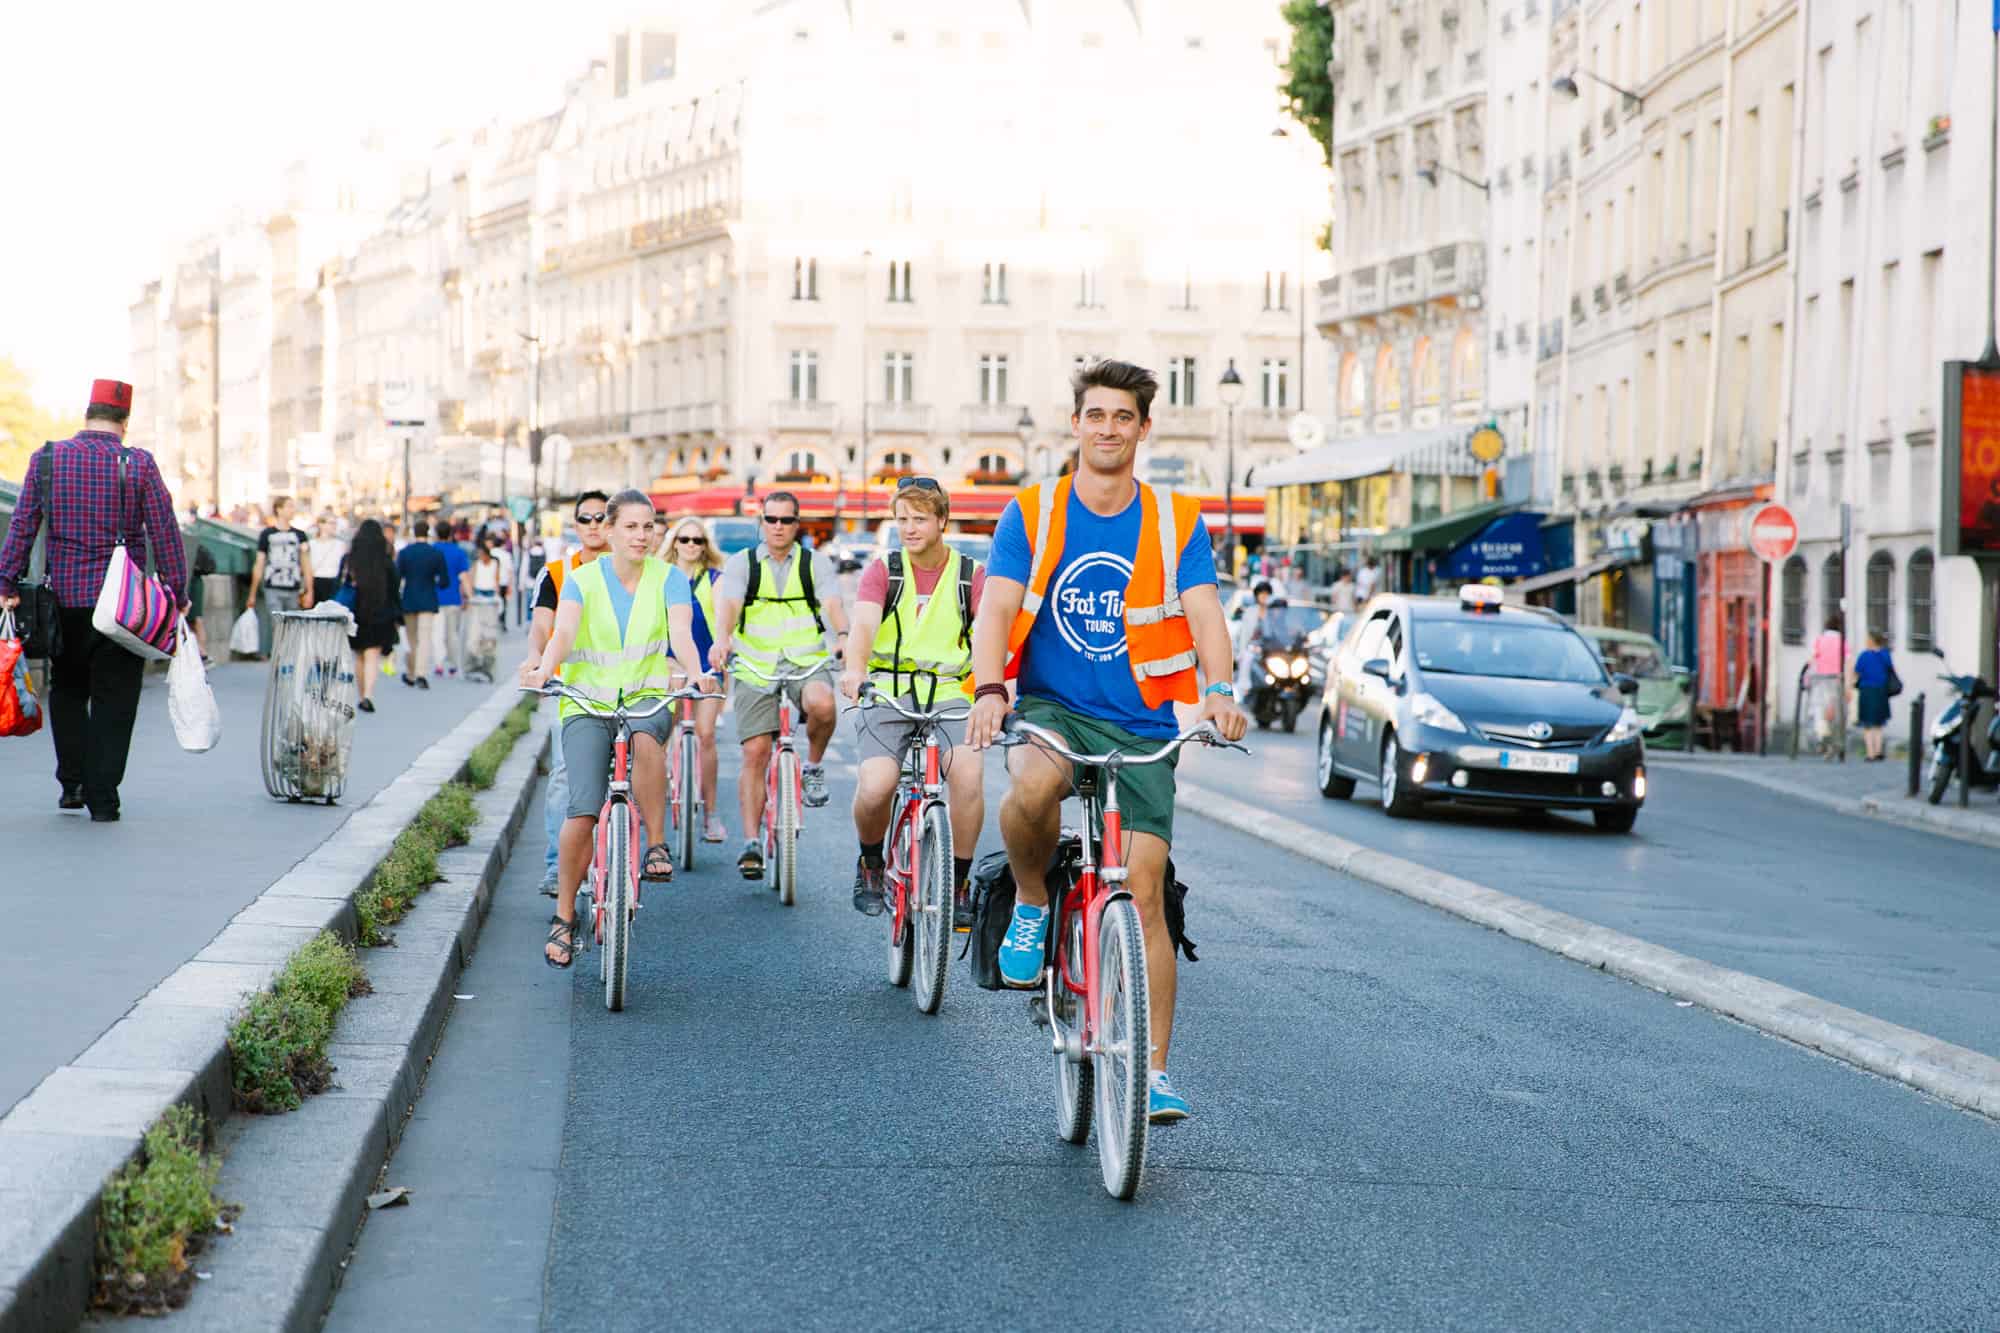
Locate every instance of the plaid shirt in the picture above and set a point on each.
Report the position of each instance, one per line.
(88, 516)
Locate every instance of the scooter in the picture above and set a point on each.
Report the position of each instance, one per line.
(1286, 686)
(1947, 738)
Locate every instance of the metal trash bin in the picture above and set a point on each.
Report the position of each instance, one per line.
(482, 638)
(309, 705)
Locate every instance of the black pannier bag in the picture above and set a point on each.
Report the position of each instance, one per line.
(992, 890)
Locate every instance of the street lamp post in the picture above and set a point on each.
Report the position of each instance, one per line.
(1024, 430)
(534, 340)
(866, 255)
(1230, 390)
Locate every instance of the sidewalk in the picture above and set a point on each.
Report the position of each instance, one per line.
(1871, 791)
(105, 911)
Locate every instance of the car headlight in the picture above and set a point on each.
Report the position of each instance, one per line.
(1278, 666)
(1625, 728)
(1426, 709)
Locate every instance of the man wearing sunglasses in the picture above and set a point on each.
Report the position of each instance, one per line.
(593, 539)
(912, 634)
(773, 606)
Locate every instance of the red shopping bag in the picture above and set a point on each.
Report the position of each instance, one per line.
(20, 711)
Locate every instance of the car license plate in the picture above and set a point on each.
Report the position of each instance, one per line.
(1527, 761)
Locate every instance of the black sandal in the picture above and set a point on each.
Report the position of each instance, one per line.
(562, 934)
(650, 869)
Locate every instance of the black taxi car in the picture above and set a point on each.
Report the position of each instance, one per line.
(1469, 700)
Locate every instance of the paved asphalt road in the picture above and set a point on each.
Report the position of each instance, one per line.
(1894, 922)
(104, 911)
(1401, 1120)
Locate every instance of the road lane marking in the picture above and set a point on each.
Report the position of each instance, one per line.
(1951, 1073)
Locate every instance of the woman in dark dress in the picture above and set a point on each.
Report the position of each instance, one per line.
(1874, 675)
(370, 569)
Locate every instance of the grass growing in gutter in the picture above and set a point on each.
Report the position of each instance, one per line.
(155, 1216)
(277, 1045)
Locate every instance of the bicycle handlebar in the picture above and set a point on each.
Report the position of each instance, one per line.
(557, 688)
(871, 697)
(1017, 731)
(789, 678)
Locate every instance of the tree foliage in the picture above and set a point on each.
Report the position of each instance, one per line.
(23, 424)
(1308, 88)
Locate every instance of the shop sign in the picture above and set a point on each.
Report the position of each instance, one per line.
(1509, 547)
(1624, 538)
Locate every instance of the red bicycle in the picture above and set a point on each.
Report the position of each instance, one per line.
(920, 857)
(613, 878)
(684, 808)
(1093, 998)
(784, 796)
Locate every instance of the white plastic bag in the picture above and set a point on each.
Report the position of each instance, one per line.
(190, 703)
(243, 637)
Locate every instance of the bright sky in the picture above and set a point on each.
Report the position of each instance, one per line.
(134, 124)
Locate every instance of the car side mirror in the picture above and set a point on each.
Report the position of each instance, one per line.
(1938, 653)
(1627, 685)
(1376, 666)
(1684, 678)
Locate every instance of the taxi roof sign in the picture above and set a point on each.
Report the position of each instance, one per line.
(1481, 597)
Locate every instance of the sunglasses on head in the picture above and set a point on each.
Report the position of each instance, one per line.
(781, 520)
(919, 484)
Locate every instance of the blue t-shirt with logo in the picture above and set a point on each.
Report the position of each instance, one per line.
(1075, 654)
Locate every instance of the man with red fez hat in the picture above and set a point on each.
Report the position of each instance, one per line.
(73, 488)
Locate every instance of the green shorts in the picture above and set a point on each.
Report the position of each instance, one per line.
(1145, 791)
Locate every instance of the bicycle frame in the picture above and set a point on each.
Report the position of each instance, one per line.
(618, 804)
(781, 744)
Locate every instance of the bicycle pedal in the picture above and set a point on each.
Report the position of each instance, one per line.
(1038, 1010)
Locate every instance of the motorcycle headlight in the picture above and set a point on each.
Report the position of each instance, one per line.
(1300, 666)
(1426, 709)
(1625, 728)
(1278, 666)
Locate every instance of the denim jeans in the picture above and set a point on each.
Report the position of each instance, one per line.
(555, 804)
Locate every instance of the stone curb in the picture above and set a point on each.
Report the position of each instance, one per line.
(1891, 807)
(88, 1118)
(1954, 1074)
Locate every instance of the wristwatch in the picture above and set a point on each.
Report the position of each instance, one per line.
(1222, 687)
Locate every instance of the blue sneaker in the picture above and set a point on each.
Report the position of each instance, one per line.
(1021, 952)
(1163, 1104)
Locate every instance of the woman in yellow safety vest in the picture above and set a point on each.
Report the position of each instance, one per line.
(620, 619)
(693, 552)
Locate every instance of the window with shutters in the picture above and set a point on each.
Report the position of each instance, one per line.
(1923, 623)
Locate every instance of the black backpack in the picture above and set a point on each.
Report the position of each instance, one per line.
(992, 890)
(799, 552)
(967, 566)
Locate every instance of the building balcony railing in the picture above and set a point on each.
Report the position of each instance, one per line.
(1330, 307)
(1442, 271)
(1402, 279)
(680, 419)
(799, 414)
(991, 418)
(1363, 289)
(906, 418)
(1183, 423)
(587, 430)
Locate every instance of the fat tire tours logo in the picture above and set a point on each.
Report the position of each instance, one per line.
(1089, 603)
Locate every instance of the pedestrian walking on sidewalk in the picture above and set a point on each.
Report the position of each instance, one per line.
(284, 571)
(326, 550)
(370, 569)
(423, 573)
(451, 600)
(1825, 690)
(75, 486)
(1875, 684)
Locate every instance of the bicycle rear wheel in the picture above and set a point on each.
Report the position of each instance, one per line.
(619, 886)
(1123, 1048)
(1074, 1092)
(686, 778)
(930, 908)
(785, 861)
(899, 879)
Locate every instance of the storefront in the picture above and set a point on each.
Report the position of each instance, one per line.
(1418, 555)
(1675, 545)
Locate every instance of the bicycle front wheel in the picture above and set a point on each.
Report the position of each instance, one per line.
(686, 778)
(900, 878)
(1122, 1050)
(785, 858)
(930, 908)
(618, 886)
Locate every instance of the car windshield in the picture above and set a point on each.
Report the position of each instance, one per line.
(1512, 648)
(734, 534)
(1633, 657)
(1286, 623)
(978, 547)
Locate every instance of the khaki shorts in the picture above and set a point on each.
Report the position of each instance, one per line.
(757, 707)
(880, 733)
(1145, 791)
